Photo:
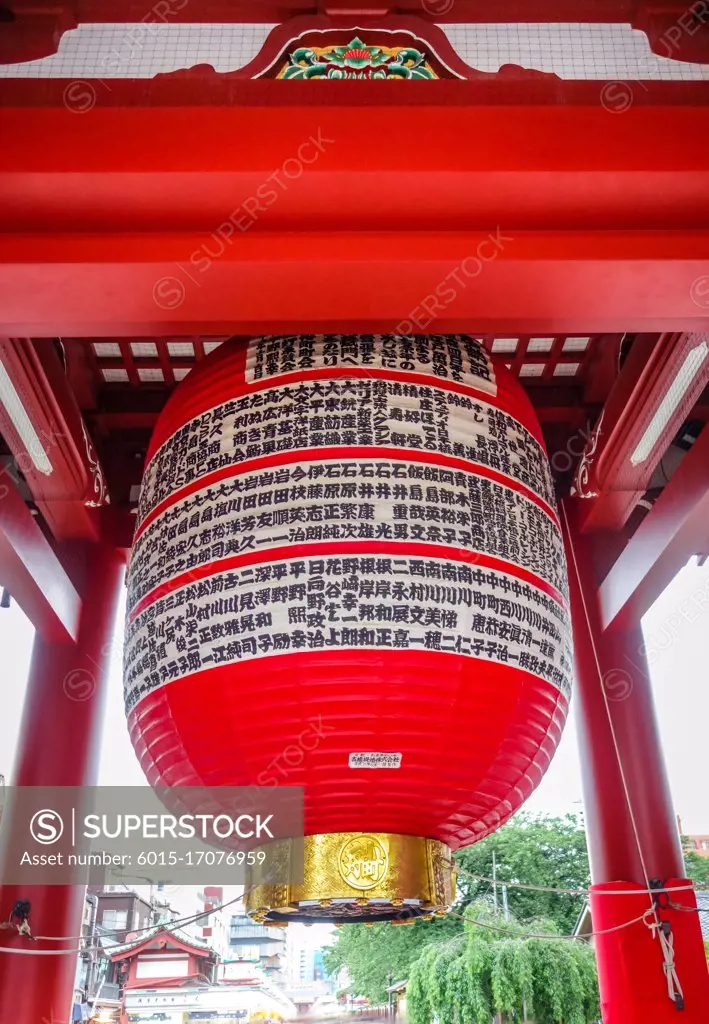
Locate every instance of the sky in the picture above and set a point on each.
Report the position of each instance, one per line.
(677, 637)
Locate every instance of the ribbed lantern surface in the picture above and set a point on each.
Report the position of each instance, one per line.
(348, 575)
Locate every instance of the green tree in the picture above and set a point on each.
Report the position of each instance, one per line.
(534, 850)
(469, 979)
(697, 866)
(369, 953)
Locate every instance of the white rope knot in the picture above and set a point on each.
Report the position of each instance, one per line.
(661, 930)
(22, 929)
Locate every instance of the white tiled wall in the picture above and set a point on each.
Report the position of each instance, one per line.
(569, 50)
(144, 50)
(573, 51)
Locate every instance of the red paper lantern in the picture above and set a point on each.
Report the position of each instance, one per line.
(348, 575)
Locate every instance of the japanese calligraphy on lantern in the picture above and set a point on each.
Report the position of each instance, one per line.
(357, 530)
(453, 357)
(358, 602)
(344, 412)
(343, 500)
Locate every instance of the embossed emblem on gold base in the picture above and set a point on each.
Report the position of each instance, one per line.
(353, 876)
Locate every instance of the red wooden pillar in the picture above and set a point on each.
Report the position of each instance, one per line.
(59, 745)
(631, 824)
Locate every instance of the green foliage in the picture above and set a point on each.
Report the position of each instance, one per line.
(536, 850)
(476, 973)
(477, 995)
(419, 1007)
(469, 981)
(370, 953)
(697, 867)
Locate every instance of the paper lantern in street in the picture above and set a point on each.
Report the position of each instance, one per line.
(348, 574)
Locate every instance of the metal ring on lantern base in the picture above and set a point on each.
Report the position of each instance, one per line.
(354, 876)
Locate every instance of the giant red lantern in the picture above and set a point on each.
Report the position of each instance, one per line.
(348, 575)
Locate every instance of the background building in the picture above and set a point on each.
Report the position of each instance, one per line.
(121, 915)
(258, 944)
(700, 845)
(213, 923)
(122, 910)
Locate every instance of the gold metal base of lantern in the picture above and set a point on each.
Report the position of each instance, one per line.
(352, 876)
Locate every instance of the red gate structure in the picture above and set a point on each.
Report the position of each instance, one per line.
(561, 216)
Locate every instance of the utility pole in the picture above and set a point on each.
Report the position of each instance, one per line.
(494, 881)
(505, 904)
